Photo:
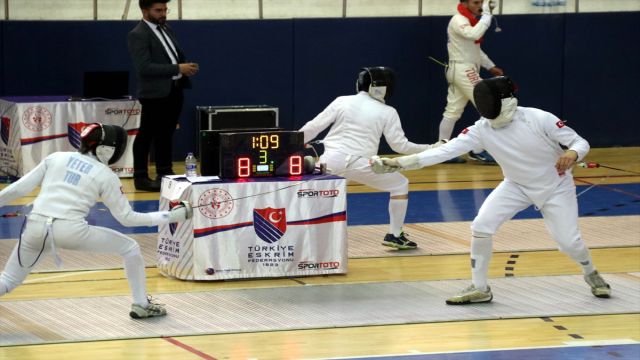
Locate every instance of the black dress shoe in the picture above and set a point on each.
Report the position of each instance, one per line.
(146, 184)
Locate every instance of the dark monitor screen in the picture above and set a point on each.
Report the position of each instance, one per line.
(106, 84)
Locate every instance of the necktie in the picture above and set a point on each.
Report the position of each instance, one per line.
(164, 38)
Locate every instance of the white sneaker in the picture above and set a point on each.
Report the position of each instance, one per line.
(599, 287)
(471, 295)
(152, 310)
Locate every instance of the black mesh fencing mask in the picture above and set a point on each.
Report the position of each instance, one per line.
(107, 142)
(378, 81)
(488, 95)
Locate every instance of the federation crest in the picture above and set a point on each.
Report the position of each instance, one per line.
(173, 226)
(269, 223)
(5, 126)
(73, 133)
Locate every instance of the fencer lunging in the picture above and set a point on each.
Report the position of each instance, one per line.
(70, 184)
(357, 123)
(526, 144)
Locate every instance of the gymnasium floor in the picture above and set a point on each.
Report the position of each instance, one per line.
(390, 305)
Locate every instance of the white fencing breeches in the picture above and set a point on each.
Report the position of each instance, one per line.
(462, 78)
(71, 235)
(560, 213)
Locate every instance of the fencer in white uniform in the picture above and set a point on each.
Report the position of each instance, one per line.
(465, 34)
(537, 171)
(70, 184)
(357, 123)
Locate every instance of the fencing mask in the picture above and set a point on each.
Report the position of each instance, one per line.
(495, 100)
(106, 142)
(378, 81)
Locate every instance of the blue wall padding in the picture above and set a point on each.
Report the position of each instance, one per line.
(601, 77)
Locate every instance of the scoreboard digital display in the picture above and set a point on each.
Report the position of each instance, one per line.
(261, 154)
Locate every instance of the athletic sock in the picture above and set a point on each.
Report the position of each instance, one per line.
(397, 213)
(481, 253)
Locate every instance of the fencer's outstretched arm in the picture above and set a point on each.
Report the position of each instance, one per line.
(24, 185)
(436, 154)
(120, 208)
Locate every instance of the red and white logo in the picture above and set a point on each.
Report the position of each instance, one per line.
(560, 124)
(269, 223)
(37, 118)
(215, 203)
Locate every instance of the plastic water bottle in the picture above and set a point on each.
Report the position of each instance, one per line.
(190, 166)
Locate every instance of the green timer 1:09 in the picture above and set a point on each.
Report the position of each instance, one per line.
(260, 154)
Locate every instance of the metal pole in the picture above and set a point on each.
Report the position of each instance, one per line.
(344, 8)
(125, 13)
(95, 9)
(6, 9)
(419, 7)
(577, 6)
(260, 13)
(179, 9)
(500, 7)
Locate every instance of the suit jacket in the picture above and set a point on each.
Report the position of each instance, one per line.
(152, 63)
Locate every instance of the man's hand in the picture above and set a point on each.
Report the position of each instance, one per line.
(189, 69)
(486, 7)
(566, 161)
(496, 71)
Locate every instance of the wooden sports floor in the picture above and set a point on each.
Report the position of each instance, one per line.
(415, 340)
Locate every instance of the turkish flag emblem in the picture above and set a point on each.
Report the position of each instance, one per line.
(269, 223)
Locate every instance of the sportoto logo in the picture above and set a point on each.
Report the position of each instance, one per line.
(312, 193)
(37, 118)
(116, 111)
(269, 223)
(215, 203)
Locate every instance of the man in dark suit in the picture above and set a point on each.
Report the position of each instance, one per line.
(162, 74)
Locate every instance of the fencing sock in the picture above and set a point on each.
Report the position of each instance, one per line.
(134, 269)
(481, 252)
(583, 257)
(397, 213)
(446, 128)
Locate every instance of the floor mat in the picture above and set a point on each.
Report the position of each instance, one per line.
(307, 307)
(364, 241)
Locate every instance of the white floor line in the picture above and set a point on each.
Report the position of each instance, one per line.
(47, 278)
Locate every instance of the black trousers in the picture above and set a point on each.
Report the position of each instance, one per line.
(157, 125)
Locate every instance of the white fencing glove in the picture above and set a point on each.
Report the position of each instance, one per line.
(379, 166)
(439, 143)
(387, 165)
(486, 13)
(180, 212)
(408, 162)
(487, 7)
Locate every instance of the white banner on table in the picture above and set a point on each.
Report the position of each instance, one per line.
(31, 131)
(285, 231)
